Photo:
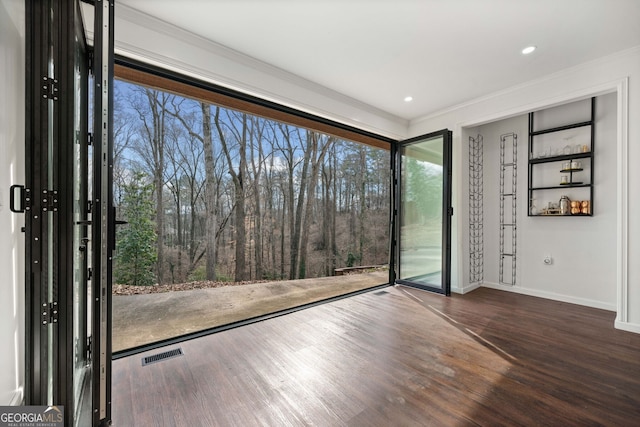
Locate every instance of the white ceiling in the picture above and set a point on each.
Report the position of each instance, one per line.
(441, 52)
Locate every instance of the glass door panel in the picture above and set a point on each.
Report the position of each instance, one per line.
(423, 214)
(81, 322)
(40, 135)
(59, 368)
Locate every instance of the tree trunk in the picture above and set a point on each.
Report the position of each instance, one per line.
(295, 235)
(256, 136)
(329, 217)
(288, 152)
(282, 229)
(326, 219)
(210, 194)
(239, 195)
(334, 213)
(316, 159)
(362, 176)
(157, 107)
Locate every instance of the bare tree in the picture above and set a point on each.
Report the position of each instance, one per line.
(288, 147)
(151, 108)
(185, 155)
(212, 183)
(210, 192)
(328, 243)
(257, 137)
(237, 131)
(362, 213)
(317, 147)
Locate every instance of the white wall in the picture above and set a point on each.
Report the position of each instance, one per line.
(11, 172)
(583, 248)
(617, 73)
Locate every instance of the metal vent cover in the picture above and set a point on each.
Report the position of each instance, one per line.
(162, 356)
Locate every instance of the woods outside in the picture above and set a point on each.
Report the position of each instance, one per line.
(220, 195)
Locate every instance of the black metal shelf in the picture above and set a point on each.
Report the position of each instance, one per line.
(560, 215)
(560, 158)
(561, 128)
(533, 162)
(561, 186)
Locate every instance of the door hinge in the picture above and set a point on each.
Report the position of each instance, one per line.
(49, 313)
(50, 200)
(50, 88)
(89, 347)
(90, 139)
(89, 273)
(450, 210)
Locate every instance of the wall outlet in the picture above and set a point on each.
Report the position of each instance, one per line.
(547, 260)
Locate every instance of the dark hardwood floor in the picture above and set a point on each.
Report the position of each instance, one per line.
(399, 357)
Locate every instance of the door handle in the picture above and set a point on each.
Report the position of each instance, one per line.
(18, 194)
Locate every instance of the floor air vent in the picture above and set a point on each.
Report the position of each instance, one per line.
(162, 356)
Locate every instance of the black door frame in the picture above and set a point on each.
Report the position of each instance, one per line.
(37, 40)
(447, 211)
(103, 215)
(54, 46)
(54, 33)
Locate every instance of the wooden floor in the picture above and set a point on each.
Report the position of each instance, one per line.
(398, 357)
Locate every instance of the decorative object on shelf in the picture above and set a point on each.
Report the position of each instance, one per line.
(585, 206)
(565, 205)
(576, 207)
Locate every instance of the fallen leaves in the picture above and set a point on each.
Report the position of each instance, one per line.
(155, 289)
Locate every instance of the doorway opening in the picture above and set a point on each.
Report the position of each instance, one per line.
(232, 215)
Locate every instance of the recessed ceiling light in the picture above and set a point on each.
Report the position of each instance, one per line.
(408, 99)
(527, 50)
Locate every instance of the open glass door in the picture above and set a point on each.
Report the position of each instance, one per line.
(423, 212)
(58, 370)
(63, 305)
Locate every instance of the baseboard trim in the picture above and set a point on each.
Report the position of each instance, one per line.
(467, 289)
(16, 399)
(626, 326)
(552, 296)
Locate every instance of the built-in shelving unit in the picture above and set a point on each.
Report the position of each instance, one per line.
(558, 168)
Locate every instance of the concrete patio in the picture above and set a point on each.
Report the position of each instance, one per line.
(143, 319)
